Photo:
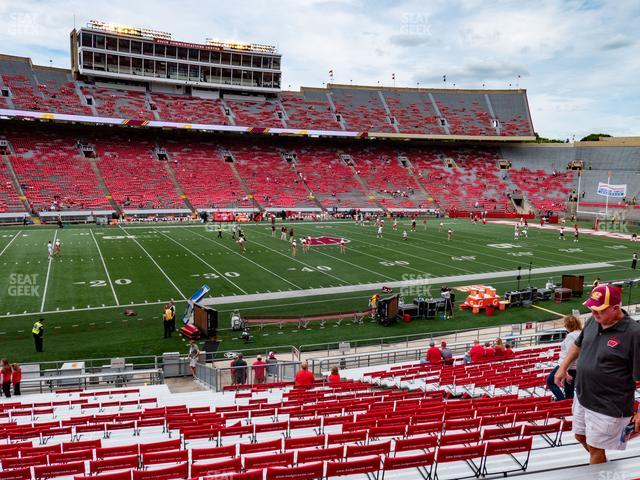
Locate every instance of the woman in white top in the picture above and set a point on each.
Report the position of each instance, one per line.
(574, 327)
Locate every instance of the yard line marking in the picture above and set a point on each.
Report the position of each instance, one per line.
(248, 259)
(448, 246)
(300, 262)
(415, 256)
(561, 315)
(10, 242)
(113, 290)
(378, 274)
(154, 262)
(207, 264)
(46, 280)
(537, 274)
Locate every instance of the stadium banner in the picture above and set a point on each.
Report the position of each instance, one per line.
(63, 117)
(7, 113)
(607, 190)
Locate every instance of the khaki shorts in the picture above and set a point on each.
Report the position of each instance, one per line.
(602, 431)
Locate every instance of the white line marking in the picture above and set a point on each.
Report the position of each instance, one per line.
(154, 262)
(46, 280)
(293, 295)
(113, 290)
(10, 242)
(207, 264)
(404, 283)
(248, 259)
(298, 261)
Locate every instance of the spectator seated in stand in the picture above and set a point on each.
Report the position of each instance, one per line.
(434, 355)
(475, 354)
(334, 378)
(508, 353)
(304, 378)
(447, 354)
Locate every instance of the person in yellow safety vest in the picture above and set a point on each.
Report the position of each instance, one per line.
(38, 334)
(167, 317)
(373, 302)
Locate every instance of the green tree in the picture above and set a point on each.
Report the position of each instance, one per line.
(594, 137)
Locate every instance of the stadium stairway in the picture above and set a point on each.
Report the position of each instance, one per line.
(15, 183)
(388, 111)
(311, 195)
(172, 176)
(246, 188)
(103, 186)
(370, 194)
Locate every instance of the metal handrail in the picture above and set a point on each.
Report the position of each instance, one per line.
(217, 378)
(502, 331)
(83, 380)
(321, 365)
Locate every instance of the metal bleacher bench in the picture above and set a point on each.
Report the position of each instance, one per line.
(50, 382)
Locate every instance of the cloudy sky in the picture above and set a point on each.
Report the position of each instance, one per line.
(578, 59)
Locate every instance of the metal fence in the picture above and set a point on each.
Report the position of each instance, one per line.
(219, 377)
(321, 365)
(46, 383)
(454, 336)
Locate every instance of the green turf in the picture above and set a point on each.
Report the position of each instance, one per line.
(148, 265)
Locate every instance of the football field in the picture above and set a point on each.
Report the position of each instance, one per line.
(103, 270)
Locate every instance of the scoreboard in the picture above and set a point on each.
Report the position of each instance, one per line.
(103, 50)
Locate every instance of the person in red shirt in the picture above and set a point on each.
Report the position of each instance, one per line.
(499, 348)
(5, 373)
(476, 353)
(489, 352)
(508, 353)
(304, 378)
(334, 378)
(259, 370)
(16, 378)
(434, 354)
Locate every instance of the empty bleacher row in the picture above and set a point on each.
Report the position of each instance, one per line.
(227, 173)
(338, 107)
(273, 431)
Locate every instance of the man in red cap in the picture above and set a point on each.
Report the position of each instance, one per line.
(608, 365)
(434, 354)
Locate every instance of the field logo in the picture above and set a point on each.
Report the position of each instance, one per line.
(24, 285)
(319, 241)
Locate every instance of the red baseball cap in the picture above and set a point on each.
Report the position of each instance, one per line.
(603, 296)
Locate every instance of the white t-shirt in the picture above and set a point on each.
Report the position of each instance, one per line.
(569, 340)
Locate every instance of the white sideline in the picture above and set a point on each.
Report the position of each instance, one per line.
(399, 284)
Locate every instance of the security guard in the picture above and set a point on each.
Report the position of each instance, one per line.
(38, 334)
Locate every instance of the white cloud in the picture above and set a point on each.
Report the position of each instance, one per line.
(576, 58)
